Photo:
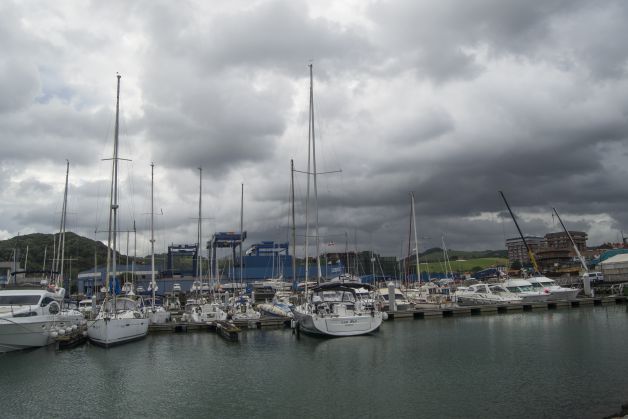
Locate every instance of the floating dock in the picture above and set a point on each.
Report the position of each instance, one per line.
(433, 313)
(72, 339)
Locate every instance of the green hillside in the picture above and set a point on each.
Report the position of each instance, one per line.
(465, 265)
(79, 252)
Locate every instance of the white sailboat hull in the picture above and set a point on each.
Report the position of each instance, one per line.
(116, 331)
(338, 325)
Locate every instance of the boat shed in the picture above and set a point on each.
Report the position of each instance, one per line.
(615, 269)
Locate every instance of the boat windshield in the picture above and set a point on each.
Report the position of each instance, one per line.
(19, 300)
(121, 304)
(331, 296)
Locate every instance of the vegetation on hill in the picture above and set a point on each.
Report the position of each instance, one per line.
(79, 255)
(79, 252)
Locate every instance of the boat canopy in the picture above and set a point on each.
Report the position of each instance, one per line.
(346, 286)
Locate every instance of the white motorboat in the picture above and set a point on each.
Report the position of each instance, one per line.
(242, 309)
(332, 309)
(274, 284)
(401, 302)
(430, 295)
(201, 311)
(482, 294)
(155, 311)
(86, 308)
(526, 290)
(32, 318)
(119, 321)
(556, 292)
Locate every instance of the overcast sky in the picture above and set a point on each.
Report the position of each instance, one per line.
(453, 100)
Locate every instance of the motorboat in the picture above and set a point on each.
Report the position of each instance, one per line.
(242, 309)
(33, 318)
(274, 284)
(202, 311)
(172, 303)
(556, 292)
(119, 320)
(332, 309)
(86, 308)
(155, 311)
(483, 294)
(430, 295)
(526, 290)
(401, 302)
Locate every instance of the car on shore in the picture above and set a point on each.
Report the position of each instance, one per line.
(595, 277)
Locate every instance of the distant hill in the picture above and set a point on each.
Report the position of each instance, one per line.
(79, 251)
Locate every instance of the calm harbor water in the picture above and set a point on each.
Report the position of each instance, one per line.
(564, 363)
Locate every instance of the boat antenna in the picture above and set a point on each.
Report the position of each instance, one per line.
(530, 253)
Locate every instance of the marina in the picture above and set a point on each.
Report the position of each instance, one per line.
(560, 358)
(276, 209)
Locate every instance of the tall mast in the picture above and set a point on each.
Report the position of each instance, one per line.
(65, 211)
(294, 227)
(307, 193)
(407, 263)
(242, 231)
(199, 258)
(318, 245)
(152, 233)
(113, 209)
(573, 243)
(416, 242)
(347, 252)
(134, 256)
(530, 254)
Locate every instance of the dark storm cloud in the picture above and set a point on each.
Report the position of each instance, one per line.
(452, 100)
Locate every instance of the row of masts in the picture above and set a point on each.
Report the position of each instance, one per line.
(312, 173)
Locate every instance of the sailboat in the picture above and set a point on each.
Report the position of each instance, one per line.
(539, 282)
(332, 308)
(119, 320)
(157, 314)
(201, 309)
(32, 316)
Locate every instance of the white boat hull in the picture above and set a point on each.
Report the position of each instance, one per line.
(479, 301)
(563, 294)
(533, 298)
(338, 325)
(110, 332)
(159, 316)
(273, 310)
(18, 333)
